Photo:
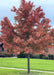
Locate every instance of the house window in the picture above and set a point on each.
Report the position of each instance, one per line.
(46, 49)
(2, 49)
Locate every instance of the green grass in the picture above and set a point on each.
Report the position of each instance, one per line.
(19, 72)
(36, 64)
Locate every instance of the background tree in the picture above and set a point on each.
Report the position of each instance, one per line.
(29, 33)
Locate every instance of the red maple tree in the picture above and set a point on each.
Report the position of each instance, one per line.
(52, 34)
(29, 33)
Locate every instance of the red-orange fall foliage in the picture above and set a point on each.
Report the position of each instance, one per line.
(29, 33)
(52, 34)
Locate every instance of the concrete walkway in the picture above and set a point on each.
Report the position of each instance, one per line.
(26, 70)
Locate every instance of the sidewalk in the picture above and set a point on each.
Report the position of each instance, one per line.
(26, 70)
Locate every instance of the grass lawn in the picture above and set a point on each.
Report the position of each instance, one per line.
(36, 64)
(18, 72)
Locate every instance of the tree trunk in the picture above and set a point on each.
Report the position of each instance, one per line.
(28, 63)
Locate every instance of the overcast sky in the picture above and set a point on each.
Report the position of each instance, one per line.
(47, 5)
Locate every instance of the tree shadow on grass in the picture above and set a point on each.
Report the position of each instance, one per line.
(21, 73)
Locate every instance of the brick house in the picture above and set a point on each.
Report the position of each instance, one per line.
(1, 48)
(51, 51)
(2, 51)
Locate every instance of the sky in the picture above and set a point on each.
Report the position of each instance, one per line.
(46, 5)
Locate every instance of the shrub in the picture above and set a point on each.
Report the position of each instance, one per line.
(22, 55)
(50, 56)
